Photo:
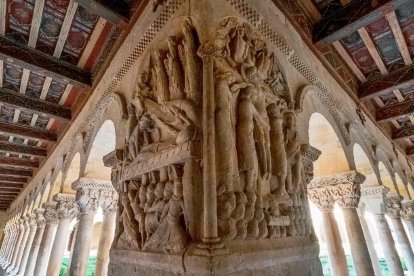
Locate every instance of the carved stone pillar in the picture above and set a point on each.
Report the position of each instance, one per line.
(374, 198)
(13, 237)
(6, 240)
(32, 231)
(345, 188)
(52, 219)
(66, 209)
(34, 251)
(407, 216)
(321, 197)
(20, 245)
(107, 235)
(90, 195)
(393, 207)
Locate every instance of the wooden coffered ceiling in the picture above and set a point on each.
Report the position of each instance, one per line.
(368, 45)
(52, 52)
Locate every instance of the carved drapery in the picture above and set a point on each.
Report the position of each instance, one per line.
(343, 189)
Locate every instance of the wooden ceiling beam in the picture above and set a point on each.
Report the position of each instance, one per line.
(116, 12)
(64, 31)
(395, 111)
(10, 185)
(366, 38)
(27, 132)
(349, 61)
(44, 108)
(20, 149)
(399, 37)
(19, 162)
(352, 17)
(13, 171)
(400, 79)
(13, 180)
(34, 60)
(403, 133)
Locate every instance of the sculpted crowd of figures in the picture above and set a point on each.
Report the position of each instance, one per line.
(260, 175)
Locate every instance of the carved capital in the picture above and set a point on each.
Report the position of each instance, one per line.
(32, 220)
(393, 205)
(113, 158)
(309, 156)
(92, 193)
(407, 209)
(66, 207)
(40, 219)
(321, 197)
(50, 213)
(343, 188)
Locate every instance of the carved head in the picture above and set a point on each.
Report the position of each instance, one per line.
(169, 189)
(159, 190)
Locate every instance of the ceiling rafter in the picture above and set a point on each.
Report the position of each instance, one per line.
(19, 162)
(116, 12)
(26, 132)
(14, 180)
(352, 17)
(64, 31)
(349, 61)
(403, 133)
(18, 172)
(399, 37)
(395, 111)
(366, 38)
(22, 102)
(21, 149)
(31, 59)
(399, 79)
(10, 185)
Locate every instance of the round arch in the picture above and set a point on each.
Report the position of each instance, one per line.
(386, 178)
(402, 189)
(55, 189)
(46, 192)
(364, 165)
(72, 174)
(104, 143)
(323, 137)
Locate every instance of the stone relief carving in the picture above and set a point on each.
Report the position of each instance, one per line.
(258, 154)
(163, 128)
(407, 209)
(393, 204)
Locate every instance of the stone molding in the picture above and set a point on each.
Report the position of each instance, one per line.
(343, 188)
(407, 209)
(378, 190)
(66, 207)
(92, 194)
(393, 205)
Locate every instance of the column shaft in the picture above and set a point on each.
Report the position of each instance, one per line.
(58, 249)
(27, 248)
(45, 249)
(34, 251)
(388, 246)
(80, 257)
(332, 237)
(409, 224)
(370, 244)
(359, 249)
(15, 249)
(105, 241)
(403, 243)
(21, 249)
(10, 246)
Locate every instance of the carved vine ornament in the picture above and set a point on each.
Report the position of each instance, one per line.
(261, 175)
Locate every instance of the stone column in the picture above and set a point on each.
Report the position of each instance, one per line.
(32, 231)
(107, 236)
(370, 242)
(90, 194)
(66, 209)
(17, 254)
(407, 216)
(393, 207)
(14, 250)
(5, 242)
(46, 243)
(321, 197)
(374, 198)
(345, 188)
(32, 257)
(10, 245)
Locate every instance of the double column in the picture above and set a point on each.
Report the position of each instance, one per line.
(90, 195)
(407, 216)
(343, 189)
(393, 208)
(19, 246)
(66, 209)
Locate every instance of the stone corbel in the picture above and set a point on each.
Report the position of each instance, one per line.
(407, 209)
(393, 205)
(66, 207)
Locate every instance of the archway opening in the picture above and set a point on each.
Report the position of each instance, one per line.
(72, 174)
(402, 189)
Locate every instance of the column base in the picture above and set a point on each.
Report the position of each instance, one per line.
(286, 256)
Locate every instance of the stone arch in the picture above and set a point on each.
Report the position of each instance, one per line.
(364, 165)
(323, 137)
(104, 142)
(72, 174)
(55, 188)
(46, 192)
(386, 177)
(37, 202)
(401, 186)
